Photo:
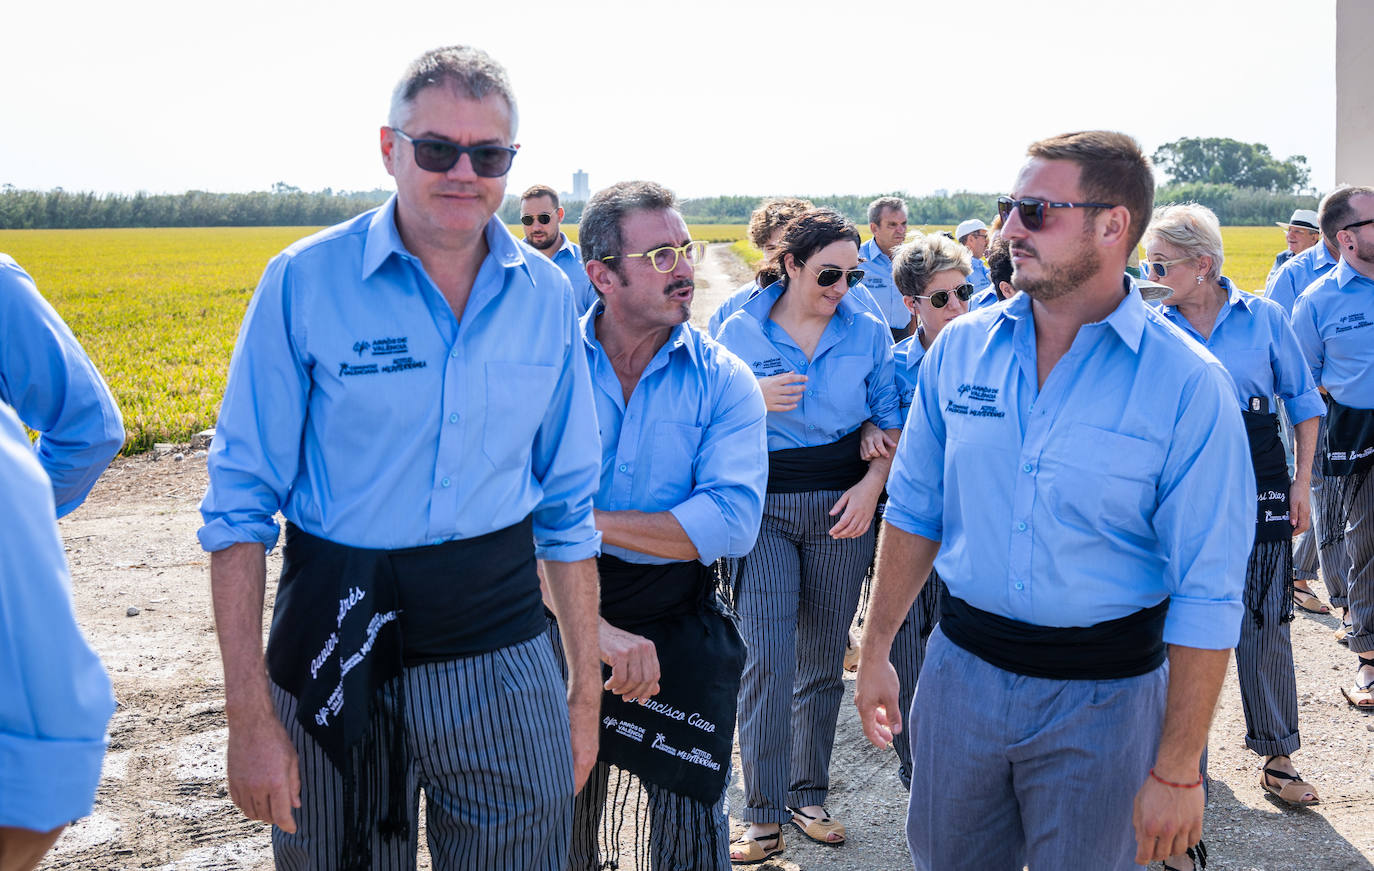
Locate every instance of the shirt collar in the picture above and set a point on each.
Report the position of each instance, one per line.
(678, 338)
(1345, 273)
(384, 240)
(873, 253)
(761, 303)
(914, 351)
(1127, 319)
(1322, 257)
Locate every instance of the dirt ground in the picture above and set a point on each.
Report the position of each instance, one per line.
(163, 802)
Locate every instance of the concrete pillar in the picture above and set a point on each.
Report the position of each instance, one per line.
(1355, 92)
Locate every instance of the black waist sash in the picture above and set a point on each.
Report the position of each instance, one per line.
(835, 466)
(1125, 647)
(347, 620)
(1349, 440)
(1271, 477)
(680, 739)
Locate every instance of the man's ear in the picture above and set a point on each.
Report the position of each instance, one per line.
(602, 276)
(560, 214)
(1113, 224)
(388, 143)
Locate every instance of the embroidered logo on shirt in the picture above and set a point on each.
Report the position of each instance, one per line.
(771, 366)
(984, 398)
(386, 347)
(1352, 321)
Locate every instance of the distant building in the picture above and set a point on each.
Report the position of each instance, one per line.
(582, 190)
(941, 193)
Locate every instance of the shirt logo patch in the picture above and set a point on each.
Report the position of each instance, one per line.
(978, 401)
(765, 368)
(386, 347)
(1352, 321)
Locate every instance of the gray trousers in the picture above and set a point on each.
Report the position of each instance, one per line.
(1014, 771)
(798, 589)
(1308, 553)
(908, 653)
(488, 741)
(1359, 548)
(1264, 665)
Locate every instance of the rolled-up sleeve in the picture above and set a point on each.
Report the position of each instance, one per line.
(915, 487)
(256, 452)
(883, 400)
(1205, 519)
(1292, 378)
(566, 461)
(730, 470)
(46, 376)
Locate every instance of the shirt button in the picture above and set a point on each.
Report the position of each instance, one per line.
(810, 426)
(1021, 527)
(1020, 586)
(444, 482)
(623, 467)
(453, 418)
(1026, 467)
(453, 353)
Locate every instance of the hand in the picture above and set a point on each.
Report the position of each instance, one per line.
(633, 662)
(782, 392)
(875, 695)
(1300, 507)
(874, 443)
(584, 716)
(1168, 820)
(264, 773)
(855, 508)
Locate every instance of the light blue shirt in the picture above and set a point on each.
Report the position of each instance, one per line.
(906, 360)
(55, 389)
(1332, 320)
(691, 441)
(568, 258)
(1279, 260)
(1123, 481)
(877, 268)
(1254, 341)
(55, 698)
(849, 376)
(980, 278)
(983, 299)
(735, 301)
(1297, 275)
(360, 407)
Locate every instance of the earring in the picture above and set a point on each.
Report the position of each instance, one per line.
(1199, 279)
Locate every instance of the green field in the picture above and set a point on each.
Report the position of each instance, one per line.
(158, 310)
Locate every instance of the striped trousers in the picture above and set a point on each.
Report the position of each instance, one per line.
(908, 653)
(487, 740)
(1264, 665)
(1359, 547)
(1309, 553)
(798, 589)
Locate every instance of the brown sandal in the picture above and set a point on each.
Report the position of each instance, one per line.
(822, 829)
(753, 849)
(1293, 789)
(1308, 601)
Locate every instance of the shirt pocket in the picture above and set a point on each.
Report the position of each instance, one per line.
(1104, 477)
(674, 452)
(517, 397)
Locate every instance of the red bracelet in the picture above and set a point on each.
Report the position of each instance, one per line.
(1177, 785)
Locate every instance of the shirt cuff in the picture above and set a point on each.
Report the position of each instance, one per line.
(908, 522)
(46, 783)
(570, 552)
(1304, 406)
(704, 525)
(218, 534)
(1207, 624)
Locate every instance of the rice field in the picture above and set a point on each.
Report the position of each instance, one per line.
(158, 310)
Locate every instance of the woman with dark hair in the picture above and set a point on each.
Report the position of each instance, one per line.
(799, 587)
(999, 271)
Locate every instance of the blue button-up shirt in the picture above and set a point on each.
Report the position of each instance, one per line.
(55, 389)
(735, 301)
(55, 697)
(1332, 320)
(849, 376)
(1123, 481)
(1297, 275)
(691, 441)
(983, 299)
(906, 360)
(877, 268)
(1254, 341)
(364, 410)
(1279, 260)
(980, 278)
(568, 258)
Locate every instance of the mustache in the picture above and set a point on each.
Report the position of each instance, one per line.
(684, 284)
(1023, 250)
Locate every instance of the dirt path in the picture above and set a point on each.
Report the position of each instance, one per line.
(163, 804)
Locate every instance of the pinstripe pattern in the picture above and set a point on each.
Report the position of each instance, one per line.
(908, 653)
(798, 589)
(1264, 664)
(1332, 556)
(487, 740)
(1359, 543)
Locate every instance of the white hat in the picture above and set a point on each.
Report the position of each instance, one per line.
(972, 225)
(1303, 219)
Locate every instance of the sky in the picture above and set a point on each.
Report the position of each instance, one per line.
(801, 97)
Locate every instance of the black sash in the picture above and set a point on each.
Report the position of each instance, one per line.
(1271, 477)
(835, 466)
(346, 622)
(1346, 463)
(1125, 647)
(680, 739)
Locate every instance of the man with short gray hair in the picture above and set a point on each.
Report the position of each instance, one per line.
(1300, 232)
(409, 391)
(887, 223)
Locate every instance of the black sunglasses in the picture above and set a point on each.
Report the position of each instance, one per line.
(1358, 224)
(440, 155)
(831, 274)
(940, 298)
(528, 220)
(1033, 210)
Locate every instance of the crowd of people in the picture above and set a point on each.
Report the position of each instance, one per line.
(548, 545)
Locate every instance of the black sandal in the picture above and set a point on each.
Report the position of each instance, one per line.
(1197, 853)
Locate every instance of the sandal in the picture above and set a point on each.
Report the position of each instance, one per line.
(1292, 791)
(1361, 695)
(851, 654)
(753, 849)
(1308, 601)
(819, 829)
(1198, 853)
(1343, 634)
